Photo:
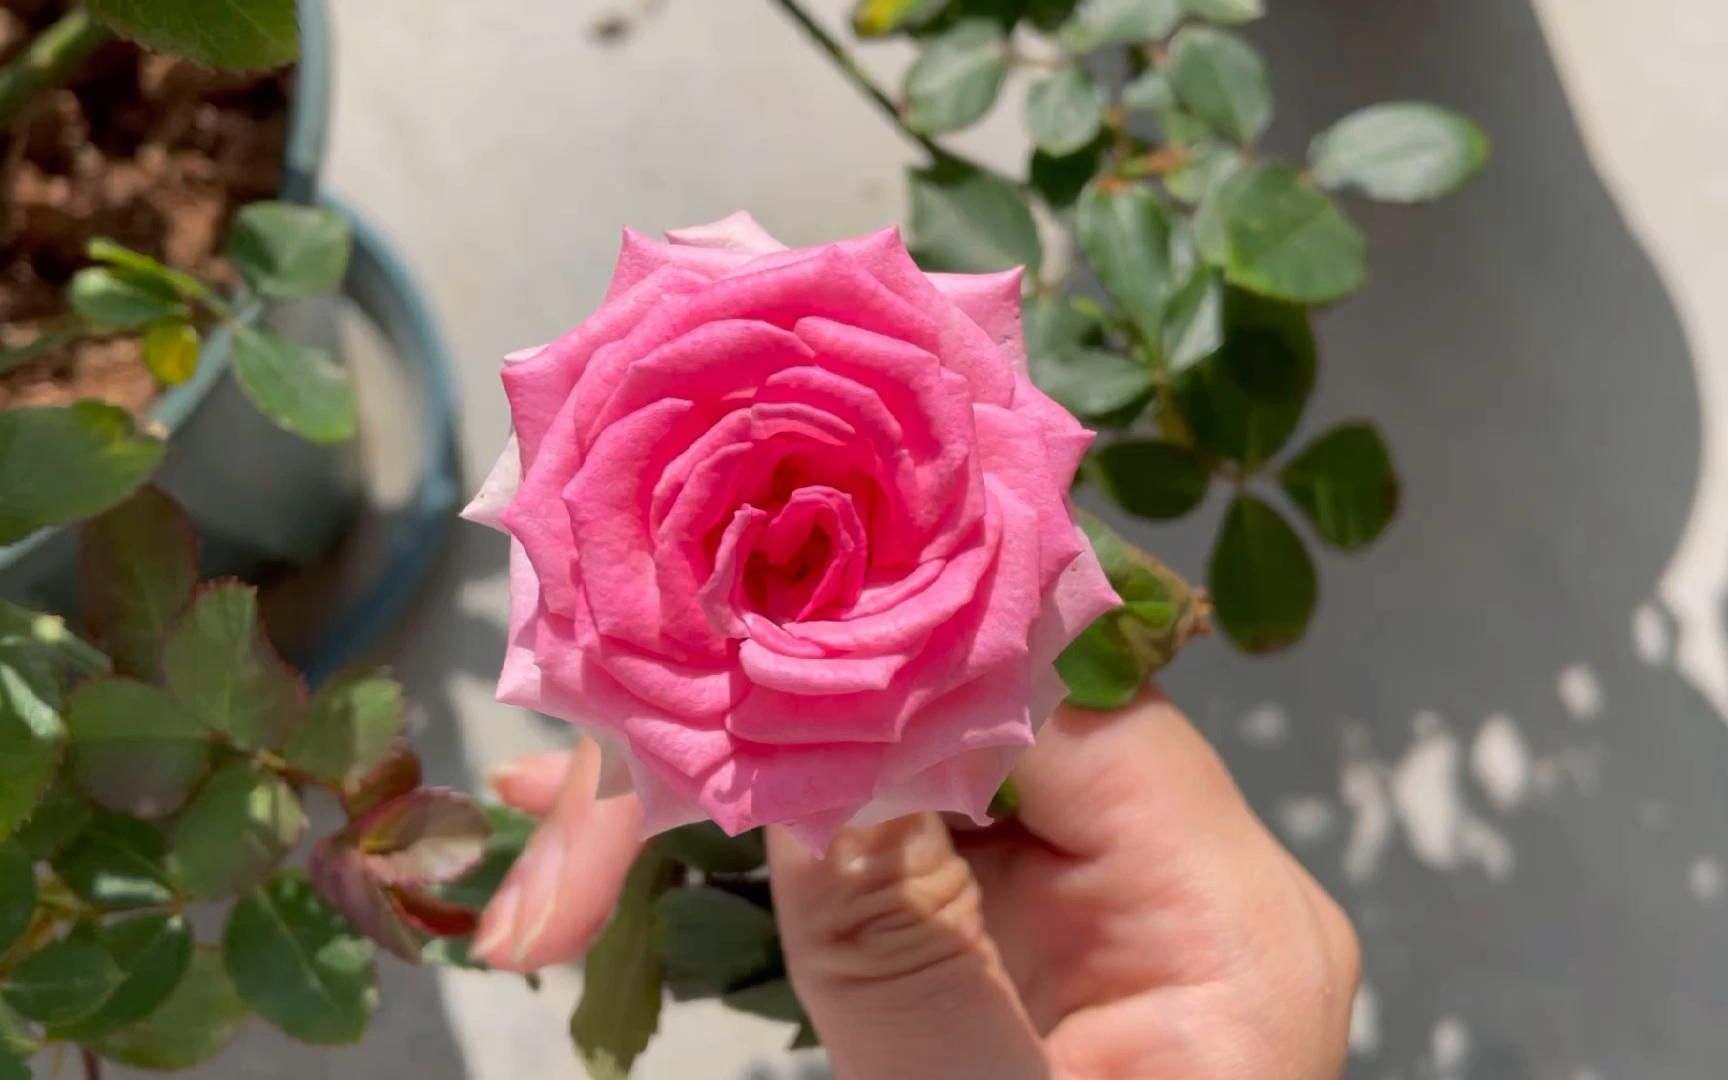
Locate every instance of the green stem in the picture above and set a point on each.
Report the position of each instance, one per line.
(48, 61)
(848, 65)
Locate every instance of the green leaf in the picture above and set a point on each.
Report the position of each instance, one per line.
(218, 662)
(17, 893)
(42, 646)
(1064, 111)
(286, 250)
(1098, 670)
(59, 818)
(1056, 324)
(171, 351)
(116, 863)
(510, 832)
(1283, 238)
(238, 828)
(706, 846)
(134, 749)
(152, 953)
(61, 463)
(1060, 180)
(1093, 382)
(301, 389)
(1343, 481)
(1151, 478)
(351, 726)
(123, 299)
(621, 994)
(879, 18)
(138, 564)
(1160, 614)
(1261, 578)
(1194, 324)
(1226, 11)
(167, 279)
(16, 1035)
(14, 1060)
(1399, 151)
(194, 1025)
(956, 77)
(63, 981)
(1243, 401)
(1182, 131)
(1207, 165)
(32, 736)
(1096, 23)
(968, 221)
(713, 941)
(1049, 15)
(1222, 81)
(214, 33)
(298, 963)
(1125, 233)
(1150, 91)
(772, 1000)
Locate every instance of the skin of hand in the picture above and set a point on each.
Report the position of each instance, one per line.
(1136, 921)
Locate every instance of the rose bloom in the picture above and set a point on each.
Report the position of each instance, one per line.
(791, 532)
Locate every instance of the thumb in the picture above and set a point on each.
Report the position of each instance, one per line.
(886, 946)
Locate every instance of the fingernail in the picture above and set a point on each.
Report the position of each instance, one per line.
(500, 918)
(501, 774)
(544, 871)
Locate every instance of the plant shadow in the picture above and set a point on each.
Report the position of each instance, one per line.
(1532, 904)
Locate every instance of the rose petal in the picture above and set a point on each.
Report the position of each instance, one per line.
(993, 302)
(539, 385)
(964, 346)
(495, 494)
(735, 232)
(641, 257)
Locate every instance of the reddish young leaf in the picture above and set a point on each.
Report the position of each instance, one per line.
(428, 836)
(396, 775)
(434, 916)
(340, 875)
(138, 564)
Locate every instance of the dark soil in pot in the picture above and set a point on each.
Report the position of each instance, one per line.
(141, 148)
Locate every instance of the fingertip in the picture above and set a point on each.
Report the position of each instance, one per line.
(532, 783)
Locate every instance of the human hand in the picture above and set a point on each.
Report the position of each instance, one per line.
(1134, 921)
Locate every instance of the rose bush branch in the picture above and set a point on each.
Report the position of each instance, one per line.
(48, 60)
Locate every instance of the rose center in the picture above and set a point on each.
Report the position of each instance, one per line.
(810, 559)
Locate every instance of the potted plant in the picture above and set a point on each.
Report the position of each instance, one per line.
(164, 760)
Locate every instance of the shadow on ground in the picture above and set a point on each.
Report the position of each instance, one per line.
(1531, 373)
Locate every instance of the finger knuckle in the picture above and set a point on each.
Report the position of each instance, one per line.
(897, 921)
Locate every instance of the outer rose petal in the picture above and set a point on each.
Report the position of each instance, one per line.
(500, 487)
(506, 475)
(993, 302)
(735, 232)
(642, 256)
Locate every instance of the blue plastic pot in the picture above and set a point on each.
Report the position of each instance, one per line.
(262, 498)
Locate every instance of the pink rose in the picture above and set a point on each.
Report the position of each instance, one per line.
(791, 530)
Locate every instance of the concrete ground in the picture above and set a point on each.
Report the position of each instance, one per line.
(503, 147)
